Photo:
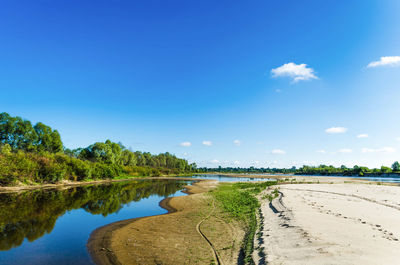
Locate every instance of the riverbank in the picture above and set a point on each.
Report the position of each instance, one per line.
(189, 234)
(339, 223)
(68, 184)
(279, 177)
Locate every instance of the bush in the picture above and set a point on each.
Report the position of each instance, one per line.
(50, 171)
(46, 167)
(106, 171)
(80, 170)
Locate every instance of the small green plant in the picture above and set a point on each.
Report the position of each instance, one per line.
(240, 202)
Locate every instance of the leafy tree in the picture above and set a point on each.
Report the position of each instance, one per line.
(386, 170)
(47, 139)
(17, 133)
(396, 166)
(98, 152)
(128, 158)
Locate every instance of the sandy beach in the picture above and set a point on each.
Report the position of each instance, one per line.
(331, 224)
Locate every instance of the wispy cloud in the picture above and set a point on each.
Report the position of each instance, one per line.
(322, 151)
(385, 61)
(345, 151)
(185, 144)
(237, 142)
(336, 130)
(379, 150)
(207, 143)
(298, 72)
(363, 135)
(214, 161)
(278, 152)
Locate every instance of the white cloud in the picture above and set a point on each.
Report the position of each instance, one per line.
(236, 162)
(379, 150)
(237, 142)
(278, 90)
(207, 143)
(345, 151)
(185, 144)
(322, 151)
(278, 152)
(363, 135)
(336, 130)
(387, 150)
(214, 161)
(298, 72)
(386, 61)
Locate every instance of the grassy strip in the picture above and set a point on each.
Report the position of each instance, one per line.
(240, 202)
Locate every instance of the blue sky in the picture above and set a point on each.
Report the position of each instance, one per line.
(169, 75)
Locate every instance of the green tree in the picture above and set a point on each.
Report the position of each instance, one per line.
(47, 139)
(396, 166)
(17, 133)
(386, 170)
(128, 158)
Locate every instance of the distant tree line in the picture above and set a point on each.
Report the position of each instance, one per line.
(345, 171)
(323, 170)
(248, 170)
(35, 154)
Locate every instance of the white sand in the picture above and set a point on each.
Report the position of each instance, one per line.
(332, 224)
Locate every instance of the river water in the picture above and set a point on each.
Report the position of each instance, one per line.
(53, 226)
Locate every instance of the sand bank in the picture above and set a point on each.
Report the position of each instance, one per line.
(190, 234)
(332, 224)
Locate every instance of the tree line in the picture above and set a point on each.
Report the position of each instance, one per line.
(248, 170)
(35, 154)
(310, 170)
(348, 171)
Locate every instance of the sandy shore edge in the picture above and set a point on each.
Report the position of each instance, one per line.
(99, 243)
(324, 223)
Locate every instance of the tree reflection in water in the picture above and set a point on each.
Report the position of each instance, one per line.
(32, 214)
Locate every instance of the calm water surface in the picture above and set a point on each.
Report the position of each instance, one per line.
(224, 178)
(53, 226)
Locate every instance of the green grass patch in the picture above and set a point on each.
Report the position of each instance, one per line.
(239, 201)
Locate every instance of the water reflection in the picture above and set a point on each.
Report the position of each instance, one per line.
(33, 214)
